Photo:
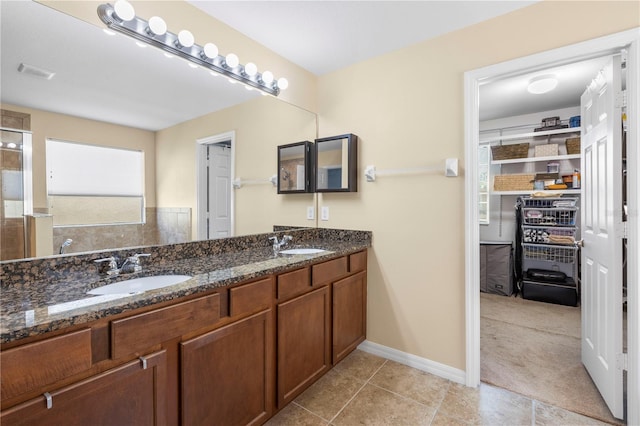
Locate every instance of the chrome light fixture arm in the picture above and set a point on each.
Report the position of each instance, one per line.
(139, 29)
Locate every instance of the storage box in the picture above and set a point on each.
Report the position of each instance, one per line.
(507, 152)
(573, 145)
(561, 294)
(547, 150)
(513, 183)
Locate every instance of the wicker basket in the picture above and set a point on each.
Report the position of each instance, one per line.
(506, 152)
(513, 182)
(573, 145)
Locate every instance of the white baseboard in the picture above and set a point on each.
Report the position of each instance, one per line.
(432, 367)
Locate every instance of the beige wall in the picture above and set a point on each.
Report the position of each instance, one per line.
(416, 266)
(260, 126)
(181, 15)
(46, 124)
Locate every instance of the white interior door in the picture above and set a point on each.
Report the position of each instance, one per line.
(219, 199)
(602, 234)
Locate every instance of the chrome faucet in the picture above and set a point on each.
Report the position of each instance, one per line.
(277, 245)
(132, 263)
(109, 265)
(129, 266)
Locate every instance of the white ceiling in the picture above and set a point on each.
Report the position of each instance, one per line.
(122, 83)
(330, 35)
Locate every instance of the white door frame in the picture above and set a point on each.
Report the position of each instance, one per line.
(568, 54)
(201, 186)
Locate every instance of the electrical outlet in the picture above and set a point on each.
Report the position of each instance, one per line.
(325, 213)
(311, 212)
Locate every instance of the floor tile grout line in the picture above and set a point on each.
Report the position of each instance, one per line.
(311, 412)
(444, 396)
(358, 391)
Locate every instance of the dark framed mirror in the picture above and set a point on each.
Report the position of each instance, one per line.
(295, 168)
(336, 163)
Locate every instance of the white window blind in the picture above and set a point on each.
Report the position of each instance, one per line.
(79, 169)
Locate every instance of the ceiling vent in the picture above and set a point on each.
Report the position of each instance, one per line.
(35, 71)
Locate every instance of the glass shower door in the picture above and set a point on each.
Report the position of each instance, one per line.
(15, 192)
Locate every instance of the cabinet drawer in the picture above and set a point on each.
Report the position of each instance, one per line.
(41, 363)
(326, 272)
(293, 283)
(358, 262)
(250, 298)
(139, 332)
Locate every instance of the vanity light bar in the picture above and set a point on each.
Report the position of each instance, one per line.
(175, 44)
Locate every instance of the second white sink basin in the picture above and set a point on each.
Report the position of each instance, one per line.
(140, 285)
(302, 251)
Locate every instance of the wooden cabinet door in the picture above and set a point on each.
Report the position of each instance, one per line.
(303, 343)
(349, 314)
(132, 394)
(227, 374)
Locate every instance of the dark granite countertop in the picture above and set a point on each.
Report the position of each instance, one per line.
(33, 303)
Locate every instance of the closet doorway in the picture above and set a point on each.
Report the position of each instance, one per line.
(602, 47)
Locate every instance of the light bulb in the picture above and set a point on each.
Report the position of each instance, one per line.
(283, 83)
(157, 26)
(11, 145)
(267, 77)
(232, 60)
(251, 69)
(210, 51)
(124, 11)
(185, 39)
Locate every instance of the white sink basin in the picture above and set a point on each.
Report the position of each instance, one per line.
(302, 251)
(140, 285)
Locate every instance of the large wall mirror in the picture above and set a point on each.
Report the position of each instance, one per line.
(337, 163)
(108, 91)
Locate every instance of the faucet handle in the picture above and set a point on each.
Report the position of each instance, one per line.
(112, 265)
(132, 264)
(137, 256)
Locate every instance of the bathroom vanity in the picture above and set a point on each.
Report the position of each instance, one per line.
(232, 345)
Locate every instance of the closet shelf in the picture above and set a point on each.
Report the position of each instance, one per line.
(532, 135)
(531, 192)
(532, 159)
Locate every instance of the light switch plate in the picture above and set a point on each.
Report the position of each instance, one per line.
(311, 212)
(324, 215)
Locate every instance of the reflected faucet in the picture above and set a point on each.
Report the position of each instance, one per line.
(64, 245)
(277, 245)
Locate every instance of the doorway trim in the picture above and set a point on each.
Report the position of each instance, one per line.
(201, 186)
(472, 81)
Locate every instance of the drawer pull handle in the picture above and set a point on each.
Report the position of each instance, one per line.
(49, 400)
(143, 360)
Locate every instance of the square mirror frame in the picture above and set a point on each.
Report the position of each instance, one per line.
(307, 162)
(351, 163)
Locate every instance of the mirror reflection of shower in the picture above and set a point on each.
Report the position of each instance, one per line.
(16, 199)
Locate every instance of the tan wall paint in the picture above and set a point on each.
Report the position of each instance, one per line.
(260, 126)
(46, 124)
(416, 266)
(181, 15)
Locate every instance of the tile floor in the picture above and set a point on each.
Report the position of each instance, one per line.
(365, 389)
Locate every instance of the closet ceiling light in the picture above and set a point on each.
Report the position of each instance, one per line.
(542, 84)
(121, 18)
